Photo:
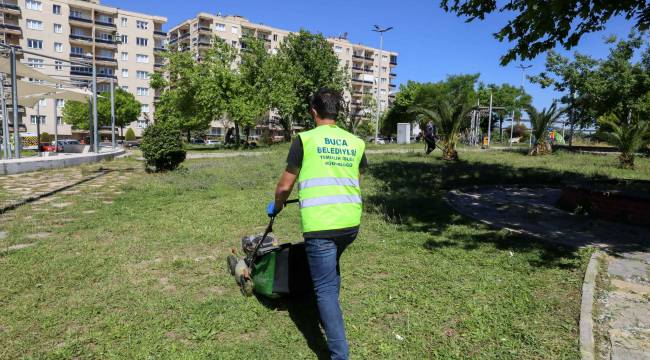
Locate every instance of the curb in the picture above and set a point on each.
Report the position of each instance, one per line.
(587, 346)
(33, 198)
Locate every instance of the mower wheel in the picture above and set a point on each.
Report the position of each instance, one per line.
(231, 261)
(246, 285)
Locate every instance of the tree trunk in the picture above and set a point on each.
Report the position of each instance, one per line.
(501, 130)
(449, 152)
(237, 138)
(541, 148)
(626, 161)
(189, 138)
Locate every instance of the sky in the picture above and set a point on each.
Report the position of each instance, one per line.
(431, 43)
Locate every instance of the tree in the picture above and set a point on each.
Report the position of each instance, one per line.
(512, 98)
(127, 108)
(130, 135)
(399, 111)
(305, 63)
(628, 138)
(538, 27)
(449, 117)
(181, 103)
(77, 114)
(541, 121)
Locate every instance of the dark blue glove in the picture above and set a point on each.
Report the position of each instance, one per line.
(271, 210)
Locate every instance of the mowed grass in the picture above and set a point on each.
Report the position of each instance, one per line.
(144, 276)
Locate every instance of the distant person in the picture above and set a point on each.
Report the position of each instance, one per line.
(430, 137)
(230, 136)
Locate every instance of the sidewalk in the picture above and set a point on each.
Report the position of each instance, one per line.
(622, 304)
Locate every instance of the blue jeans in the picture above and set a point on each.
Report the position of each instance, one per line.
(323, 257)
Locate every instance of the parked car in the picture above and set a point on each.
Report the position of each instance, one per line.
(197, 141)
(213, 142)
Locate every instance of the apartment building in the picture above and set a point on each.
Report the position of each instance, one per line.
(122, 44)
(369, 73)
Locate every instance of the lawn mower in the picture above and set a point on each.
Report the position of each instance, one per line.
(269, 268)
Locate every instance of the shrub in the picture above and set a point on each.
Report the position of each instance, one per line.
(162, 148)
(130, 135)
(45, 137)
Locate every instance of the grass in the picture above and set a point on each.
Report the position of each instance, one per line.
(144, 276)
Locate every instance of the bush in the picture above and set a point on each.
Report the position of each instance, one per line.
(130, 135)
(45, 137)
(162, 148)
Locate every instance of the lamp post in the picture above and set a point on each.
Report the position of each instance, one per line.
(113, 112)
(14, 103)
(381, 32)
(523, 79)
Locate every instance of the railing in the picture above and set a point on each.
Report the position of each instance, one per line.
(392, 74)
(204, 42)
(358, 56)
(105, 41)
(161, 33)
(205, 28)
(158, 48)
(392, 85)
(10, 27)
(393, 62)
(357, 80)
(158, 65)
(104, 23)
(80, 18)
(81, 73)
(103, 75)
(75, 55)
(104, 58)
(81, 37)
(357, 68)
(10, 6)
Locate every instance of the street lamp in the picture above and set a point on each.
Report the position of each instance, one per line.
(381, 32)
(523, 79)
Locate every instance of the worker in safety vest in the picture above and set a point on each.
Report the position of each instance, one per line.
(326, 162)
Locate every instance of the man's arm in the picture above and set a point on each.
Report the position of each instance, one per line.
(283, 189)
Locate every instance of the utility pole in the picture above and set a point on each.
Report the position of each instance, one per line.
(381, 32)
(14, 103)
(523, 80)
(512, 126)
(56, 127)
(490, 122)
(5, 120)
(113, 112)
(95, 139)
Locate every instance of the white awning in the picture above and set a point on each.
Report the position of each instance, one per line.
(25, 71)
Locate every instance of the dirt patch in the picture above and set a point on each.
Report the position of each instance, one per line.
(38, 235)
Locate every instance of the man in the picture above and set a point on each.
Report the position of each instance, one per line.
(430, 137)
(326, 161)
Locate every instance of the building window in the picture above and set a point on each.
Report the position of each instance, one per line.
(143, 91)
(235, 30)
(125, 39)
(141, 41)
(142, 25)
(144, 108)
(34, 44)
(125, 73)
(142, 75)
(59, 120)
(58, 28)
(34, 118)
(60, 103)
(125, 56)
(58, 47)
(220, 27)
(34, 24)
(142, 58)
(275, 37)
(34, 5)
(142, 124)
(384, 80)
(77, 50)
(57, 65)
(124, 21)
(56, 9)
(338, 49)
(35, 63)
(42, 102)
(125, 87)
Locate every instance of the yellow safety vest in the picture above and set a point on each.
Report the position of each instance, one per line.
(329, 192)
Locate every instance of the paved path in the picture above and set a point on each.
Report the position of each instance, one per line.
(623, 300)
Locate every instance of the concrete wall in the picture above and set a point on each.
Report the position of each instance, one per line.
(18, 166)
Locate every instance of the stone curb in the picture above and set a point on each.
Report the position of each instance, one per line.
(587, 347)
(33, 198)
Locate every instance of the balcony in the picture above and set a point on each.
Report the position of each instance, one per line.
(181, 37)
(392, 74)
(80, 38)
(10, 29)
(358, 56)
(10, 8)
(393, 62)
(392, 85)
(204, 43)
(158, 65)
(159, 48)
(80, 21)
(205, 28)
(357, 81)
(75, 72)
(356, 68)
(107, 43)
(159, 33)
(106, 59)
(105, 24)
(105, 75)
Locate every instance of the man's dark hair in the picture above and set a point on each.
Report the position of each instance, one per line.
(327, 103)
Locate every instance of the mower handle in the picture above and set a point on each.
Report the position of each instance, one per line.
(269, 229)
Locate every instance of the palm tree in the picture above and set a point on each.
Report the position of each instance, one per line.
(629, 138)
(540, 122)
(449, 117)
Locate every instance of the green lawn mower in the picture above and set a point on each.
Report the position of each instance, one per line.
(268, 268)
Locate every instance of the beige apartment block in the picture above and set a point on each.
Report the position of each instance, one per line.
(369, 72)
(122, 44)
